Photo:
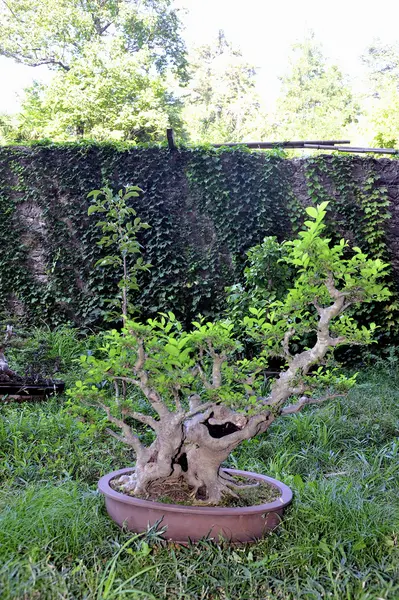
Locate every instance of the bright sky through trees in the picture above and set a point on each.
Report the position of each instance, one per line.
(265, 31)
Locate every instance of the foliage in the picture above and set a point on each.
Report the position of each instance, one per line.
(195, 380)
(361, 210)
(315, 101)
(111, 61)
(102, 97)
(48, 352)
(338, 538)
(320, 268)
(266, 278)
(194, 201)
(206, 208)
(221, 103)
(120, 226)
(384, 114)
(7, 127)
(237, 197)
(382, 63)
(58, 33)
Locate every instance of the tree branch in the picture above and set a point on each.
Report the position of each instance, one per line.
(218, 361)
(199, 409)
(286, 385)
(338, 340)
(200, 371)
(118, 437)
(317, 306)
(197, 431)
(175, 392)
(128, 437)
(332, 290)
(127, 380)
(102, 29)
(286, 342)
(151, 394)
(145, 419)
(27, 60)
(141, 356)
(11, 11)
(116, 386)
(304, 401)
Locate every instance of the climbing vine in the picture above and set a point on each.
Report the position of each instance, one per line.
(206, 208)
(236, 199)
(358, 210)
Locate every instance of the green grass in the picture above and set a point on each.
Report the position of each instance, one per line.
(339, 540)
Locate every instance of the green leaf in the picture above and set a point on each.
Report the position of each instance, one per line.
(312, 212)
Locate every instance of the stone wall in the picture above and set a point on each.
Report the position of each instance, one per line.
(48, 247)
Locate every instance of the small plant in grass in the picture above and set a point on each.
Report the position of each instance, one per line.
(120, 226)
(203, 396)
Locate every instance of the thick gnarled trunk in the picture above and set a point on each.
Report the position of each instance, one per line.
(210, 438)
(160, 461)
(193, 452)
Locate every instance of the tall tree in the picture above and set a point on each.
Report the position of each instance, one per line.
(102, 97)
(382, 62)
(316, 100)
(57, 32)
(222, 104)
(111, 60)
(384, 117)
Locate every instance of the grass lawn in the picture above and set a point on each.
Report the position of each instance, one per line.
(338, 540)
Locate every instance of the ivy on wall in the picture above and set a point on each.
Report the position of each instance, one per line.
(235, 199)
(358, 210)
(206, 207)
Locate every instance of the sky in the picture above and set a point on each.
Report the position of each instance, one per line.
(264, 30)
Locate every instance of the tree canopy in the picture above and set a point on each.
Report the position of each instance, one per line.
(111, 60)
(316, 100)
(57, 33)
(382, 62)
(121, 72)
(103, 97)
(222, 104)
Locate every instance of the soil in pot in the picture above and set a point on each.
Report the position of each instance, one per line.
(250, 493)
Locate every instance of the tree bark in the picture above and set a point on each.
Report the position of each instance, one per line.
(160, 461)
(210, 438)
(193, 451)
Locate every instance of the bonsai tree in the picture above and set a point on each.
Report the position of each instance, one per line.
(197, 392)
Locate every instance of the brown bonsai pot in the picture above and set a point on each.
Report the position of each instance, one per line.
(184, 523)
